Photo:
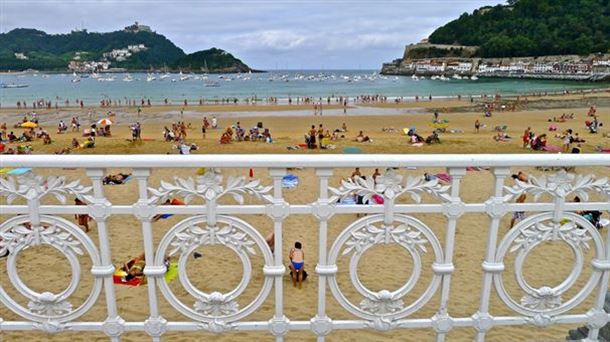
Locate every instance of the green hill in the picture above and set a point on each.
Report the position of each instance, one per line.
(54, 51)
(532, 28)
(214, 60)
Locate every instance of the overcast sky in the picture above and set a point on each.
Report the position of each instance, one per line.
(265, 34)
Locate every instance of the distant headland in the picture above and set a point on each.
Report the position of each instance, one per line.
(541, 39)
(134, 48)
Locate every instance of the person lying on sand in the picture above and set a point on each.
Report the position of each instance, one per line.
(119, 178)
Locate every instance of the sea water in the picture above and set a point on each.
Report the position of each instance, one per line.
(280, 84)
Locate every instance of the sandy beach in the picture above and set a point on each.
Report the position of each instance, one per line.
(219, 269)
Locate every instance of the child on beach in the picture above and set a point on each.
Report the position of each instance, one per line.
(297, 263)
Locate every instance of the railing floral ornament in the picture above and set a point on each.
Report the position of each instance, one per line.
(384, 308)
(559, 185)
(209, 187)
(215, 310)
(544, 303)
(239, 236)
(19, 233)
(390, 185)
(33, 187)
(25, 231)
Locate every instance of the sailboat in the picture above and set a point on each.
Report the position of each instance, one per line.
(127, 78)
(150, 78)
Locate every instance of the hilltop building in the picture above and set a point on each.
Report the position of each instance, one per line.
(137, 27)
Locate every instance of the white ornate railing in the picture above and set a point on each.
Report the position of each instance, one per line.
(31, 224)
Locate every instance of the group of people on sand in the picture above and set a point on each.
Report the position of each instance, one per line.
(322, 138)
(22, 146)
(238, 133)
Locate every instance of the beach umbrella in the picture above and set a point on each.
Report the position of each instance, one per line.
(105, 122)
(29, 124)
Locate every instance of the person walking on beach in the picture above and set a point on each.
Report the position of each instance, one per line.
(297, 263)
(477, 125)
(526, 137)
(518, 215)
(83, 219)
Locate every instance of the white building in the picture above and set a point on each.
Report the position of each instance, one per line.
(20, 55)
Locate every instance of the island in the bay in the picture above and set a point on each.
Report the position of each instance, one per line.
(546, 39)
(134, 48)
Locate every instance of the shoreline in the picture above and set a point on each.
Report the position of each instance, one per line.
(334, 104)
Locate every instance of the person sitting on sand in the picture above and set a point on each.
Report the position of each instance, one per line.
(64, 150)
(297, 264)
(119, 178)
(539, 142)
(362, 138)
(433, 139)
(89, 143)
(46, 140)
(227, 136)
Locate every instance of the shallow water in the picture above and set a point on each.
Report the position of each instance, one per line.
(280, 84)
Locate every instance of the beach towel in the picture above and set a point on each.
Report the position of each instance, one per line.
(352, 150)
(419, 144)
(4, 170)
(443, 177)
(347, 200)
(19, 171)
(290, 181)
(552, 148)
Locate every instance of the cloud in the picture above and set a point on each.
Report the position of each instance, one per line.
(263, 33)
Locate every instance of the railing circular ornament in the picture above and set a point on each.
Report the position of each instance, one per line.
(231, 232)
(573, 230)
(16, 235)
(407, 232)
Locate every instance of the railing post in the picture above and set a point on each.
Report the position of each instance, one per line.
(155, 325)
(495, 208)
(442, 322)
(323, 211)
(597, 317)
(279, 325)
(100, 209)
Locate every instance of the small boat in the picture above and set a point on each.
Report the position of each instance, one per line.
(13, 85)
(474, 77)
(212, 84)
(76, 80)
(150, 78)
(457, 77)
(414, 77)
(127, 78)
(164, 76)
